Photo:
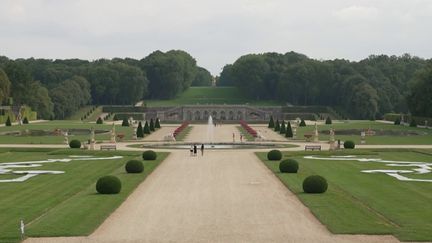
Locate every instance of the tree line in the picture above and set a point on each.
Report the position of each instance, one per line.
(58, 88)
(366, 89)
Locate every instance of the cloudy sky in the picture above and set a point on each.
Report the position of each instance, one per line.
(215, 32)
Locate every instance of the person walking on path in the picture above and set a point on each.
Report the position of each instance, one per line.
(195, 150)
(233, 137)
(191, 150)
(202, 149)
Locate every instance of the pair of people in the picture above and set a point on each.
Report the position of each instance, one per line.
(193, 150)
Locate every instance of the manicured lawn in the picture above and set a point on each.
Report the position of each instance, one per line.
(65, 204)
(402, 134)
(59, 139)
(360, 203)
(209, 95)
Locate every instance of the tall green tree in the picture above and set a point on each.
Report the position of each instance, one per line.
(289, 132)
(271, 123)
(277, 126)
(4, 86)
(20, 79)
(202, 78)
(157, 125)
(419, 99)
(140, 132)
(146, 128)
(282, 128)
(151, 126)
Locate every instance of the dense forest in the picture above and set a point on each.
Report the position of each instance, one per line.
(365, 89)
(57, 88)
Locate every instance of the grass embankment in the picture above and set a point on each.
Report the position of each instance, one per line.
(360, 203)
(83, 111)
(210, 95)
(50, 126)
(65, 204)
(401, 134)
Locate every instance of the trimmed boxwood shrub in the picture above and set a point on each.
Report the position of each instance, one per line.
(157, 123)
(99, 121)
(288, 166)
(125, 122)
(271, 123)
(349, 144)
(8, 122)
(134, 166)
(302, 123)
(274, 155)
(75, 144)
(413, 123)
(315, 184)
(149, 155)
(328, 121)
(108, 185)
(25, 121)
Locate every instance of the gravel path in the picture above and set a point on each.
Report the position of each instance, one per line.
(223, 196)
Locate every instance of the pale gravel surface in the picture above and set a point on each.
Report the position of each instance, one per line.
(225, 196)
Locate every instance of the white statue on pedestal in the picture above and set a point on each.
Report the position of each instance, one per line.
(113, 134)
(92, 139)
(316, 135)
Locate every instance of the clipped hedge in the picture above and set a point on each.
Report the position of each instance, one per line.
(108, 185)
(274, 155)
(134, 166)
(349, 144)
(315, 184)
(75, 144)
(149, 155)
(288, 166)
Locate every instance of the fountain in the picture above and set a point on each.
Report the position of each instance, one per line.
(210, 130)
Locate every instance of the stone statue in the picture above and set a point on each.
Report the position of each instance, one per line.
(92, 139)
(332, 135)
(113, 134)
(66, 139)
(332, 139)
(316, 135)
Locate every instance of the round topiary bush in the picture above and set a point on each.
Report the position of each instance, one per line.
(108, 185)
(349, 144)
(288, 166)
(75, 144)
(149, 155)
(134, 166)
(274, 155)
(315, 184)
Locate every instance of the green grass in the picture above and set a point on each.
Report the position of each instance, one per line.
(83, 111)
(67, 204)
(425, 136)
(210, 95)
(359, 203)
(63, 125)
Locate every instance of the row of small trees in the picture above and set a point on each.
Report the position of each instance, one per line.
(148, 127)
(281, 127)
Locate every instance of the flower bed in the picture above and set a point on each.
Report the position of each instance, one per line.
(249, 129)
(180, 128)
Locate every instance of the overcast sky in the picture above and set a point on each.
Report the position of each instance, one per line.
(215, 32)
